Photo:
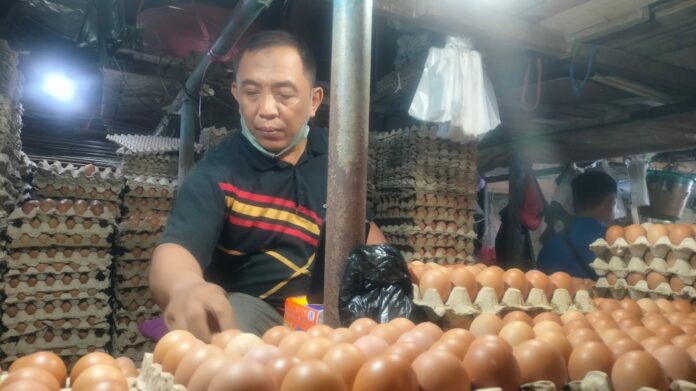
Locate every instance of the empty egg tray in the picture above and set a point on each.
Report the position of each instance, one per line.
(641, 290)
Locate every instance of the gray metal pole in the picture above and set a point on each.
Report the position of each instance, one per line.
(244, 13)
(348, 135)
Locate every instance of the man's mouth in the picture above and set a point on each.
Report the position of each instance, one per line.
(269, 133)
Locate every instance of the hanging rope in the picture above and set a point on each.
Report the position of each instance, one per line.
(577, 88)
(523, 98)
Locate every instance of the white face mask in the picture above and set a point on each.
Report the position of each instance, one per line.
(301, 134)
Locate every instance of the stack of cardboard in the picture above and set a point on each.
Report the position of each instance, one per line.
(211, 136)
(147, 201)
(148, 155)
(424, 193)
(59, 259)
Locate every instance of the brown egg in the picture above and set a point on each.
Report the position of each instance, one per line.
(665, 306)
(548, 316)
(47, 204)
(402, 324)
(170, 339)
(319, 330)
(652, 343)
(47, 361)
(29, 206)
(633, 232)
(614, 232)
(578, 336)
(315, 348)
(623, 345)
(416, 270)
(655, 279)
(559, 341)
(683, 306)
(611, 335)
(238, 375)
(406, 350)
(345, 359)
(362, 326)
(193, 360)
(541, 281)
(657, 231)
(241, 344)
(518, 315)
(440, 370)
(431, 329)
(515, 278)
(562, 280)
(634, 277)
(222, 338)
(464, 278)
(438, 280)
(486, 324)
(127, 367)
(589, 356)
(668, 331)
(90, 360)
(637, 369)
(491, 363)
(201, 378)
(312, 375)
(547, 326)
(293, 341)
(516, 332)
(648, 306)
(386, 372)
(417, 337)
(279, 367)
(679, 232)
(25, 385)
(387, 332)
(99, 372)
(31, 373)
(371, 345)
(676, 363)
(342, 335)
(492, 277)
(539, 360)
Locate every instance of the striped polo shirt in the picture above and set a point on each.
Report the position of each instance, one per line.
(254, 223)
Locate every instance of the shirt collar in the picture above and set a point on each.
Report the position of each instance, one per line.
(316, 145)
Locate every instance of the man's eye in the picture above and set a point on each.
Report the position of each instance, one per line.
(251, 93)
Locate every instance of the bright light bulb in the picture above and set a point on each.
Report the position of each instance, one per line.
(59, 87)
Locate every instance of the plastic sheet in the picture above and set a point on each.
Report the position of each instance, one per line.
(637, 172)
(455, 92)
(376, 285)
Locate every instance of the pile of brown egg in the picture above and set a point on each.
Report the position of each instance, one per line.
(424, 193)
(45, 371)
(637, 344)
(57, 279)
(147, 201)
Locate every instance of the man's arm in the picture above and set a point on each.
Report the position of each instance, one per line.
(172, 267)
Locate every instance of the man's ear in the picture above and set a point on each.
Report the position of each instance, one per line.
(317, 98)
(234, 91)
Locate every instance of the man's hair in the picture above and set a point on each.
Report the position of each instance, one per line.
(591, 188)
(273, 38)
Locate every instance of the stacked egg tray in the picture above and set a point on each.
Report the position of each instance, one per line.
(423, 190)
(147, 202)
(54, 180)
(57, 282)
(210, 137)
(642, 269)
(14, 167)
(149, 155)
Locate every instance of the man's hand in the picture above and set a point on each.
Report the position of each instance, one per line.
(201, 308)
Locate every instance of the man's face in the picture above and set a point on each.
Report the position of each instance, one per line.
(606, 210)
(275, 95)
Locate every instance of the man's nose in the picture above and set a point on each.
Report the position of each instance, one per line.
(269, 107)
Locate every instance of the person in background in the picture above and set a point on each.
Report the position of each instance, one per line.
(246, 227)
(567, 248)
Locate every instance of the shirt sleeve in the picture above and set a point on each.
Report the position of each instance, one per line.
(198, 215)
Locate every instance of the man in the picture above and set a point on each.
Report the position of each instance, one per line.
(568, 249)
(245, 229)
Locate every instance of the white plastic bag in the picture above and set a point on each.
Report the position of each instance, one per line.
(454, 89)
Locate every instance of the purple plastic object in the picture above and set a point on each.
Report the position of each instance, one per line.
(154, 329)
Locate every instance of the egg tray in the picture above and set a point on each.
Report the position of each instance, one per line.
(148, 307)
(135, 352)
(127, 270)
(431, 200)
(35, 228)
(660, 249)
(74, 294)
(65, 306)
(133, 225)
(429, 215)
(144, 204)
(130, 241)
(35, 258)
(42, 241)
(96, 310)
(151, 187)
(87, 174)
(140, 294)
(139, 144)
(129, 339)
(58, 286)
(420, 136)
(641, 290)
(109, 213)
(621, 269)
(462, 258)
(152, 378)
(136, 254)
(69, 355)
(53, 190)
(26, 328)
(433, 230)
(459, 309)
(448, 248)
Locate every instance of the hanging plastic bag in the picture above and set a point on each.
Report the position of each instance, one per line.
(637, 172)
(454, 88)
(376, 285)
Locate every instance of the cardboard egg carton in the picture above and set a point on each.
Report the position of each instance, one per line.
(153, 378)
(135, 352)
(25, 328)
(137, 224)
(144, 204)
(130, 269)
(660, 249)
(137, 281)
(22, 297)
(57, 270)
(96, 309)
(145, 145)
(131, 241)
(36, 228)
(136, 254)
(51, 280)
(459, 307)
(35, 258)
(623, 266)
(640, 290)
(461, 202)
(125, 339)
(124, 318)
(462, 258)
(140, 305)
(166, 166)
(436, 247)
(51, 189)
(83, 339)
(32, 285)
(431, 185)
(30, 210)
(151, 187)
(58, 172)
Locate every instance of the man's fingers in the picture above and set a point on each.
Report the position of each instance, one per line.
(223, 313)
(197, 322)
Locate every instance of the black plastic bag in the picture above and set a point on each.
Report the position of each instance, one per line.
(376, 285)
